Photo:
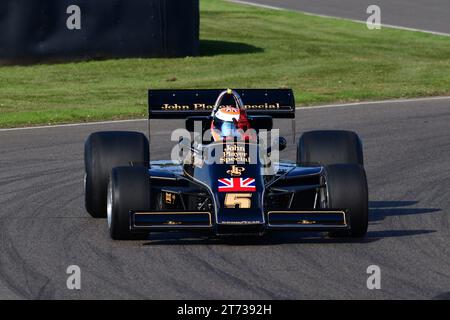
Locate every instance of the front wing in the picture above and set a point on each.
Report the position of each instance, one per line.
(276, 219)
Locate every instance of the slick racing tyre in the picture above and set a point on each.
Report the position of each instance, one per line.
(128, 189)
(346, 186)
(104, 151)
(329, 147)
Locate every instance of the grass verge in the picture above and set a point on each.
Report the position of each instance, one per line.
(323, 60)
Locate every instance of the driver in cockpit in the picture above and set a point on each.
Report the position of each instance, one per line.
(231, 123)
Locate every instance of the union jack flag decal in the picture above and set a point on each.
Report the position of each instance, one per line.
(237, 185)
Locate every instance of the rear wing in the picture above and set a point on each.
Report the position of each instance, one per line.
(179, 104)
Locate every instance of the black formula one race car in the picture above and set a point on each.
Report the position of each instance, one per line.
(227, 180)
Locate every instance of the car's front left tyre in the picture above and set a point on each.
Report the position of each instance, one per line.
(129, 189)
(346, 186)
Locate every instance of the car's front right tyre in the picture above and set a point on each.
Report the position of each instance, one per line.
(104, 151)
(128, 190)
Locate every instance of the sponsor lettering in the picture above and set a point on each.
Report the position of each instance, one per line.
(175, 107)
(205, 107)
(236, 171)
(234, 153)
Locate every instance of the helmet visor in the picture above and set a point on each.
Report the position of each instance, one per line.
(228, 129)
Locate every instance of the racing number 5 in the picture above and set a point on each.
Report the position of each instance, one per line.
(241, 200)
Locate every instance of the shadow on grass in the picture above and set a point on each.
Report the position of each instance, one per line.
(209, 48)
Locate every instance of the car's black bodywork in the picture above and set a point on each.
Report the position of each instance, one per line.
(188, 198)
(197, 194)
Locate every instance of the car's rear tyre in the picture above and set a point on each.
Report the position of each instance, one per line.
(347, 189)
(128, 189)
(329, 147)
(104, 151)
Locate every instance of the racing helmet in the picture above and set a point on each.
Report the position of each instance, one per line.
(229, 121)
(225, 123)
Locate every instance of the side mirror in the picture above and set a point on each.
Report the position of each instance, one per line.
(282, 143)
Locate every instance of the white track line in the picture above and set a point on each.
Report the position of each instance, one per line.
(369, 103)
(437, 33)
(354, 104)
(73, 125)
(265, 6)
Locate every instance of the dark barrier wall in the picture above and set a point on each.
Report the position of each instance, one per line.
(39, 30)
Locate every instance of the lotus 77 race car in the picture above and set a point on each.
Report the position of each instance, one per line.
(227, 179)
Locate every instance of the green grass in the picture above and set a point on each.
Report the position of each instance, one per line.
(323, 60)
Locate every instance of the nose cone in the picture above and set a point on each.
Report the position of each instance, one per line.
(233, 173)
(238, 193)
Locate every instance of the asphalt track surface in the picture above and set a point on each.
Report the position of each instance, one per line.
(430, 15)
(44, 227)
